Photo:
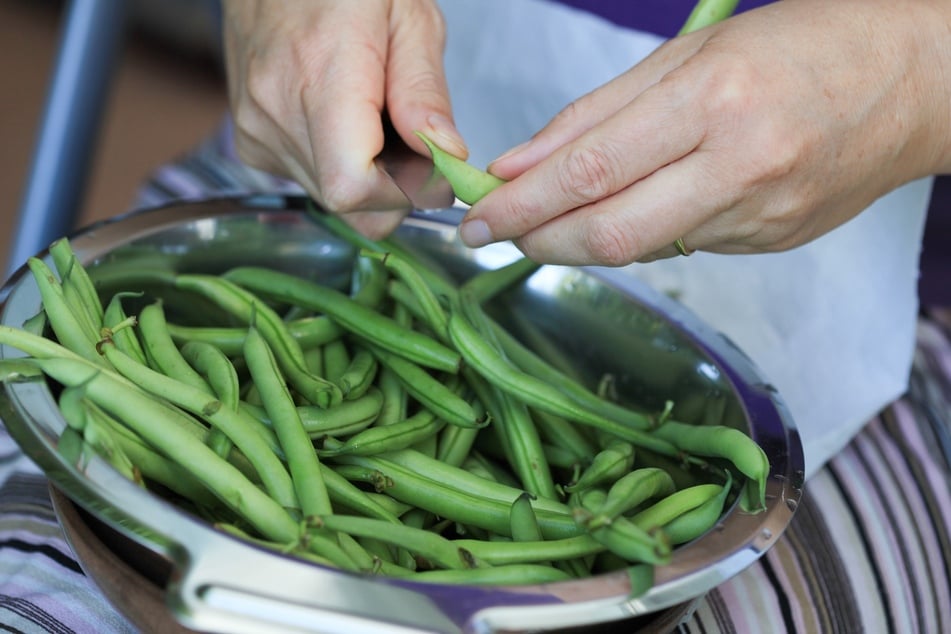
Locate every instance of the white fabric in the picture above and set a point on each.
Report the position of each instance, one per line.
(830, 324)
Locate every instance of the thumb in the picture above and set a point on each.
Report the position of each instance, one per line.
(417, 95)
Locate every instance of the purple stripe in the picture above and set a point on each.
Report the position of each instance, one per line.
(663, 17)
(923, 534)
(180, 181)
(916, 538)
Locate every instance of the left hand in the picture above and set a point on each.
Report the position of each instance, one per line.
(757, 134)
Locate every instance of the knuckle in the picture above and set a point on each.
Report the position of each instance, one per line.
(609, 245)
(575, 111)
(520, 215)
(590, 173)
(339, 194)
(733, 88)
(422, 85)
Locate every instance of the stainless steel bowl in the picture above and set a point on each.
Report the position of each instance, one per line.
(605, 322)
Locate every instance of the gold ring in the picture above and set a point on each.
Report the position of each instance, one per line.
(681, 247)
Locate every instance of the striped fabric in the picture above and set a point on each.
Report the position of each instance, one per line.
(869, 549)
(42, 587)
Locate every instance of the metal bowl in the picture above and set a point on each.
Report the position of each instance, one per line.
(603, 320)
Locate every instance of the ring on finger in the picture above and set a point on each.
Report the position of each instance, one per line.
(682, 247)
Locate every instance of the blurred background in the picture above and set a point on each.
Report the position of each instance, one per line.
(167, 93)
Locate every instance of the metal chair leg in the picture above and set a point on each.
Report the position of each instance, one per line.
(69, 129)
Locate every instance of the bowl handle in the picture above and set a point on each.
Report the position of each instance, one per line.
(247, 589)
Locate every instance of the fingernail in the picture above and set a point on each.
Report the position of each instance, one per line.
(475, 233)
(444, 134)
(510, 153)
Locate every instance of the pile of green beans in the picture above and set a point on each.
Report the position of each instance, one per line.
(388, 427)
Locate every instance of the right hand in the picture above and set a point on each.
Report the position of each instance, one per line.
(308, 82)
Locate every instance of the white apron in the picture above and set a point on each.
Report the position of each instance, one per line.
(830, 324)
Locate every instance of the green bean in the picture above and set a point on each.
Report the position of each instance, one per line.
(404, 299)
(128, 274)
(342, 419)
(309, 332)
(421, 425)
(69, 266)
(608, 465)
(73, 408)
(691, 524)
(368, 324)
(641, 577)
(506, 553)
(521, 442)
(144, 414)
(628, 492)
(314, 361)
(468, 183)
(430, 392)
(379, 550)
(363, 560)
(707, 12)
(531, 363)
(559, 458)
(434, 548)
(394, 405)
(454, 494)
(201, 403)
(162, 353)
(378, 561)
(434, 274)
(36, 324)
(366, 475)
(629, 541)
(487, 284)
(455, 444)
(682, 472)
(476, 467)
(676, 504)
(283, 549)
(516, 574)
(454, 477)
(731, 444)
(515, 423)
(368, 287)
(220, 375)
(539, 394)
(480, 464)
(359, 375)
(64, 323)
(248, 307)
(524, 523)
(124, 338)
(633, 543)
(432, 311)
(344, 493)
(336, 359)
(216, 370)
(152, 465)
(298, 449)
(394, 507)
(89, 317)
(563, 435)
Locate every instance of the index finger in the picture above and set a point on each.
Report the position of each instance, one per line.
(652, 131)
(343, 108)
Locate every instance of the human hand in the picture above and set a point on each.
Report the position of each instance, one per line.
(757, 134)
(308, 82)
